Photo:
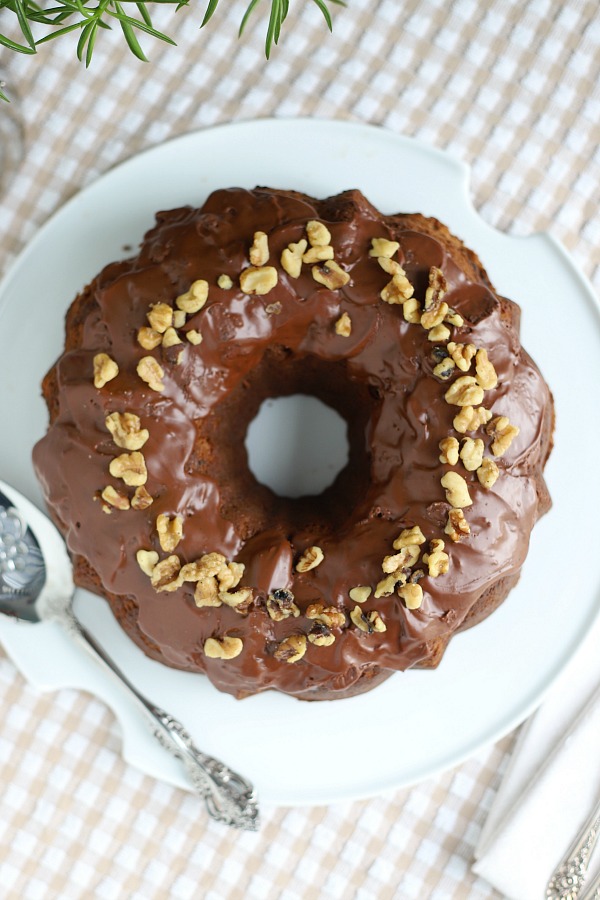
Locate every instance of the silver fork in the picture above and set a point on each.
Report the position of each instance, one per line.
(567, 881)
(36, 585)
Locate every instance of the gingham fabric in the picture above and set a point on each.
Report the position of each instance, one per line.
(510, 87)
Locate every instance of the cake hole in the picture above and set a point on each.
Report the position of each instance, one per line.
(297, 445)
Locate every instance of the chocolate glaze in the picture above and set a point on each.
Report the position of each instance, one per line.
(384, 356)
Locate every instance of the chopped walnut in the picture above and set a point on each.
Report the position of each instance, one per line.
(411, 310)
(406, 558)
(291, 649)
(462, 354)
(471, 453)
(151, 372)
(206, 592)
(320, 635)
(259, 251)
(457, 491)
(464, 392)
(105, 369)
(503, 434)
(126, 430)
(431, 318)
(444, 369)
(229, 576)
(383, 247)
(131, 467)
(453, 318)
(115, 498)
(470, 419)
(486, 373)
(318, 254)
(147, 560)
(399, 289)
(258, 280)
(170, 531)
(160, 317)
(194, 337)
(148, 338)
(436, 290)
(166, 575)
(141, 498)
(224, 282)
(361, 593)
(329, 615)
(280, 605)
(450, 449)
(343, 326)
(171, 338)
(367, 621)
(179, 318)
(223, 648)
(193, 299)
(331, 275)
(387, 585)
(239, 600)
(310, 559)
(291, 258)
(318, 234)
(409, 537)
(390, 266)
(456, 526)
(437, 561)
(438, 333)
(412, 594)
(488, 473)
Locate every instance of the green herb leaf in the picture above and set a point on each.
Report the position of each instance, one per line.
(210, 9)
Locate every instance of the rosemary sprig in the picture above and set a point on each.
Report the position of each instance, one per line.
(89, 16)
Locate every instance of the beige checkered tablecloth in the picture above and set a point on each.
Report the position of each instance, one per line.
(513, 88)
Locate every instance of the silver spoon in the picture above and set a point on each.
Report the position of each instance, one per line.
(568, 879)
(36, 585)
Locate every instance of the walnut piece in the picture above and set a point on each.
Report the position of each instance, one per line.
(412, 594)
(318, 254)
(105, 369)
(367, 621)
(170, 531)
(318, 234)
(194, 337)
(151, 372)
(224, 282)
(331, 275)
(206, 592)
(141, 498)
(291, 649)
(223, 648)
(436, 290)
(239, 600)
(488, 473)
(406, 558)
(450, 450)
(171, 338)
(280, 605)
(383, 247)
(361, 593)
(387, 585)
(399, 289)
(320, 635)
(131, 467)
(438, 333)
(259, 251)
(166, 575)
(464, 392)
(456, 526)
(486, 373)
(148, 338)
(444, 369)
(503, 434)
(160, 317)
(462, 354)
(409, 537)
(147, 560)
(470, 419)
(126, 429)
(310, 559)
(437, 561)
(291, 258)
(411, 309)
(193, 299)
(258, 280)
(179, 318)
(115, 498)
(329, 615)
(471, 453)
(457, 491)
(343, 326)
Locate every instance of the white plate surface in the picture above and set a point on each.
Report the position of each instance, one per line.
(492, 677)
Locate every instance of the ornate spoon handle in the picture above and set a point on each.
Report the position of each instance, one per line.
(229, 798)
(593, 891)
(567, 880)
